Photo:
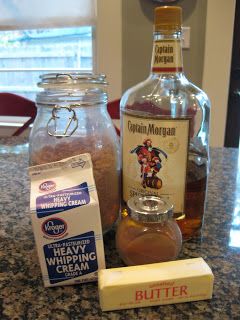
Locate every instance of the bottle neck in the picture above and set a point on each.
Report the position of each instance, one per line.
(167, 54)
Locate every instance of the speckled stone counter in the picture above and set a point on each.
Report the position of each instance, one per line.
(22, 295)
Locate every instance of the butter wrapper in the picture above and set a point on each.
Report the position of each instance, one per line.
(66, 221)
(155, 284)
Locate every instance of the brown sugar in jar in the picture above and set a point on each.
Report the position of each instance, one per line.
(72, 119)
(148, 234)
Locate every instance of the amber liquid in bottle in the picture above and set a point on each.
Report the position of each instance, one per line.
(190, 222)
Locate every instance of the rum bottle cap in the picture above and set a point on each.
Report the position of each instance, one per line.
(168, 18)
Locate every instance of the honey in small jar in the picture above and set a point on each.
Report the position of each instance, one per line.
(147, 232)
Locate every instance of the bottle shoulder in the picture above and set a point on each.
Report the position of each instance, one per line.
(165, 90)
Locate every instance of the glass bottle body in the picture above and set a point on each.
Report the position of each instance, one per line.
(166, 100)
(90, 131)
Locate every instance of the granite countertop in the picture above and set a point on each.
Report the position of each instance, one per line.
(22, 295)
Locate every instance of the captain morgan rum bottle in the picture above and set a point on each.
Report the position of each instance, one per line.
(165, 125)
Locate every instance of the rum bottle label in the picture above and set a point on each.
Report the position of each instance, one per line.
(167, 56)
(154, 157)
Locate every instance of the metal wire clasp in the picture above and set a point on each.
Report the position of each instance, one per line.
(72, 118)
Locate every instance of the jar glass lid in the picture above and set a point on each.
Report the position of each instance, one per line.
(150, 209)
(76, 88)
(73, 78)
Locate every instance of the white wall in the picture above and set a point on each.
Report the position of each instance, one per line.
(217, 64)
(108, 49)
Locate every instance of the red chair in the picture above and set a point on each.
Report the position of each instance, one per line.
(113, 108)
(14, 105)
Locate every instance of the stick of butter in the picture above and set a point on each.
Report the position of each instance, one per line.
(155, 284)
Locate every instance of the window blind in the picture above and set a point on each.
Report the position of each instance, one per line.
(27, 14)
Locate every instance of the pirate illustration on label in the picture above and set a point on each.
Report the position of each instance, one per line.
(151, 163)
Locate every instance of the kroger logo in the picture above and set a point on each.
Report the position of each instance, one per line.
(54, 227)
(47, 186)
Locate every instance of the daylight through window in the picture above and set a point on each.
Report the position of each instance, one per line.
(25, 54)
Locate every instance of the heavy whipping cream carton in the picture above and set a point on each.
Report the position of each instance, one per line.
(66, 221)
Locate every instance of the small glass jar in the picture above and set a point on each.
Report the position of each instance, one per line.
(72, 119)
(148, 234)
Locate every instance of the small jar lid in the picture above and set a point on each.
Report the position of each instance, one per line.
(150, 209)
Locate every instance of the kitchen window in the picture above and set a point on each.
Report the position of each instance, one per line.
(25, 54)
(90, 19)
